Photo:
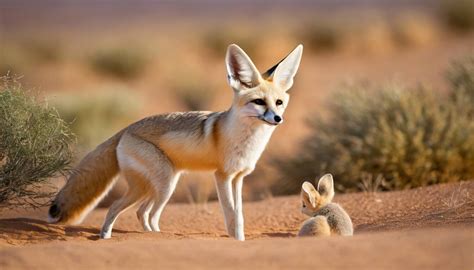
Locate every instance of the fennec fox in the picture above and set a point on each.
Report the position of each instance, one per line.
(152, 153)
(327, 218)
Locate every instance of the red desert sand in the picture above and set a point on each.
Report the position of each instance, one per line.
(424, 228)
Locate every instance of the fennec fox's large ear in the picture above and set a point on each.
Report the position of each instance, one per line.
(241, 72)
(310, 193)
(283, 73)
(326, 187)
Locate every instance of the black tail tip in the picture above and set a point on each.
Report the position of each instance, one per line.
(54, 210)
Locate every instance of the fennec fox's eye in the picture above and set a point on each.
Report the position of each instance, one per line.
(259, 101)
(304, 205)
(279, 102)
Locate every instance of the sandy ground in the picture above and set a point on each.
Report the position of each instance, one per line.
(426, 228)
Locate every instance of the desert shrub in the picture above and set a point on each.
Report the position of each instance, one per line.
(195, 188)
(410, 137)
(11, 61)
(321, 36)
(124, 63)
(43, 50)
(95, 118)
(458, 14)
(7, 68)
(35, 145)
(217, 40)
(461, 77)
(193, 93)
(413, 30)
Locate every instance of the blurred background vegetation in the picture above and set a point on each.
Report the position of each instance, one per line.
(392, 136)
(371, 102)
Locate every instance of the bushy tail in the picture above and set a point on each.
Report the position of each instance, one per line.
(315, 226)
(87, 185)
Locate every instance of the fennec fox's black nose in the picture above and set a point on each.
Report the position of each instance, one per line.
(277, 118)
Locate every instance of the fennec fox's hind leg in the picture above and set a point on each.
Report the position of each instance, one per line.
(143, 214)
(149, 173)
(160, 174)
(315, 226)
(118, 207)
(133, 155)
(164, 186)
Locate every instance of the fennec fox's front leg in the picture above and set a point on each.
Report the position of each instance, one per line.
(238, 210)
(229, 191)
(226, 199)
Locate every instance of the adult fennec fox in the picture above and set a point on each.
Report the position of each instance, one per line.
(152, 153)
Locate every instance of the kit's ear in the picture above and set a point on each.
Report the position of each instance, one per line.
(309, 192)
(326, 187)
(282, 74)
(241, 72)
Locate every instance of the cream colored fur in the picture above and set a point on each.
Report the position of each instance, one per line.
(153, 152)
(327, 218)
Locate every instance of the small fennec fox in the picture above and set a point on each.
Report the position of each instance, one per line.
(327, 218)
(152, 153)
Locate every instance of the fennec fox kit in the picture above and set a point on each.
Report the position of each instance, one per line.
(327, 218)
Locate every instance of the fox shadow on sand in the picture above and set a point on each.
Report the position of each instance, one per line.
(29, 228)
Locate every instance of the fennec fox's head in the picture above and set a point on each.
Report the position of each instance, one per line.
(313, 199)
(261, 98)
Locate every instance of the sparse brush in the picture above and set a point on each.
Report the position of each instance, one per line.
(217, 40)
(195, 188)
(411, 137)
(95, 118)
(461, 77)
(413, 30)
(458, 198)
(193, 95)
(371, 184)
(458, 14)
(43, 50)
(321, 36)
(123, 63)
(35, 145)
(7, 67)
(11, 61)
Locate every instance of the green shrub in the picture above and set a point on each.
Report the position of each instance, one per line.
(35, 145)
(409, 137)
(458, 14)
(95, 118)
(119, 62)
